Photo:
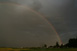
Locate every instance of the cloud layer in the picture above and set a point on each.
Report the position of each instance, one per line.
(61, 13)
(21, 26)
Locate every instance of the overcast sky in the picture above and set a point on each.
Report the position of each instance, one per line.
(62, 14)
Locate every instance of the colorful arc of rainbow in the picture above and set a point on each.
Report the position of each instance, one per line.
(39, 15)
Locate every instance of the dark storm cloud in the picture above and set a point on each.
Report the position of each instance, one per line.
(34, 4)
(61, 13)
(22, 27)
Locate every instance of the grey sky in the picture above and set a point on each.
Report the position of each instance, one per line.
(22, 27)
(61, 13)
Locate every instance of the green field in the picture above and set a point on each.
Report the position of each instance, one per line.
(38, 49)
(53, 49)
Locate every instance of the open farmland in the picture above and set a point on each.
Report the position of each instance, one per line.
(39, 49)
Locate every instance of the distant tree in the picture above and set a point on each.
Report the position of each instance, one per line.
(50, 47)
(72, 43)
(57, 44)
(44, 46)
(61, 46)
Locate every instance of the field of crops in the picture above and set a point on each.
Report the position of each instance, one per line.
(39, 49)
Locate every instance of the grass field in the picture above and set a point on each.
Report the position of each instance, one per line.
(39, 49)
(55, 49)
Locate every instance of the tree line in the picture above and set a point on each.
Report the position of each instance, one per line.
(72, 43)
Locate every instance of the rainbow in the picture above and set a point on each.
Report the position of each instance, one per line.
(39, 15)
